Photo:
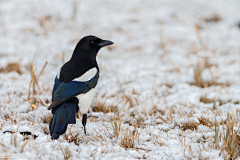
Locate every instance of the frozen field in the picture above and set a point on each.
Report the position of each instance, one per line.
(171, 80)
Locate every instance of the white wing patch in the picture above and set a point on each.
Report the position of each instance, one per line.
(87, 75)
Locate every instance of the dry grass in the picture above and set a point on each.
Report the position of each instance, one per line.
(34, 86)
(129, 137)
(230, 137)
(47, 23)
(74, 139)
(106, 135)
(47, 119)
(63, 58)
(45, 129)
(191, 126)
(9, 116)
(205, 122)
(116, 125)
(200, 40)
(214, 18)
(67, 153)
(226, 139)
(74, 9)
(204, 99)
(128, 100)
(101, 107)
(198, 76)
(11, 67)
(155, 110)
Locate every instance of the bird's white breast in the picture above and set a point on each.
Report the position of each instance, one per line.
(85, 100)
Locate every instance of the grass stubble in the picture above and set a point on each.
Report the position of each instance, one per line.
(126, 135)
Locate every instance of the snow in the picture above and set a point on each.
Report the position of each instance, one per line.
(148, 75)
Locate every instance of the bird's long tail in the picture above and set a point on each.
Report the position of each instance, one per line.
(63, 115)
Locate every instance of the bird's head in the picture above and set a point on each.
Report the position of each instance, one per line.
(90, 45)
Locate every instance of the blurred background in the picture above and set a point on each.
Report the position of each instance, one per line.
(173, 62)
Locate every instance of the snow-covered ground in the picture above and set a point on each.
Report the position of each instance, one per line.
(173, 71)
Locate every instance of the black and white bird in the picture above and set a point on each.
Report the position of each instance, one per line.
(74, 86)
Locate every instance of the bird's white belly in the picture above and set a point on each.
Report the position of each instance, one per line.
(85, 100)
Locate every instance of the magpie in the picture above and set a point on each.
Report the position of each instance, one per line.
(74, 86)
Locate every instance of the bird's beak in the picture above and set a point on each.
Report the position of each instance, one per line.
(104, 43)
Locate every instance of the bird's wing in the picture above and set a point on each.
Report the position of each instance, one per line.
(85, 77)
(66, 91)
(57, 83)
(63, 116)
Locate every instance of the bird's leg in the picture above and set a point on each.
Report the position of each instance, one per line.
(84, 122)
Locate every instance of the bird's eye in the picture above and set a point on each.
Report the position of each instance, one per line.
(91, 42)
